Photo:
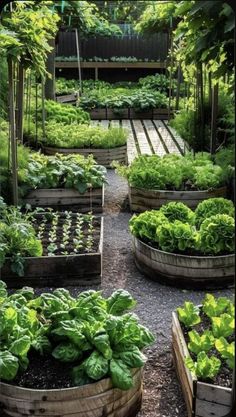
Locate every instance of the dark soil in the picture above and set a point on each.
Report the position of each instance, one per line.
(162, 393)
(69, 247)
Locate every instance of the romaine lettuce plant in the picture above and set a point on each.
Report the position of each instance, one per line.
(214, 307)
(98, 336)
(205, 367)
(189, 314)
(223, 326)
(227, 351)
(200, 343)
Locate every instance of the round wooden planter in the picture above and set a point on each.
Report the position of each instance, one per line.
(199, 272)
(141, 199)
(93, 400)
(102, 156)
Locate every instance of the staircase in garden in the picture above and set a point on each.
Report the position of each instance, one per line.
(148, 137)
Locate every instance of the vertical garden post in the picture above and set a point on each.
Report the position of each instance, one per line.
(214, 111)
(20, 104)
(12, 133)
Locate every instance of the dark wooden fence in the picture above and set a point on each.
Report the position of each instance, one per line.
(153, 47)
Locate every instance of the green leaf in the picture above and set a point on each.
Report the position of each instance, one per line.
(96, 366)
(205, 367)
(133, 358)
(199, 343)
(189, 314)
(21, 346)
(66, 352)
(120, 374)
(8, 366)
(119, 302)
(102, 344)
(79, 375)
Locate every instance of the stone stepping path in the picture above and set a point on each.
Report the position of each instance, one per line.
(148, 137)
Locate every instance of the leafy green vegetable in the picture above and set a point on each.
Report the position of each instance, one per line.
(178, 211)
(119, 302)
(189, 314)
(223, 326)
(199, 343)
(214, 307)
(216, 235)
(176, 236)
(211, 207)
(205, 367)
(88, 331)
(227, 351)
(120, 374)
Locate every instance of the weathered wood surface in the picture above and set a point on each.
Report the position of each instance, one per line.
(202, 399)
(99, 399)
(92, 200)
(74, 64)
(141, 199)
(59, 270)
(191, 272)
(102, 156)
(147, 136)
(67, 98)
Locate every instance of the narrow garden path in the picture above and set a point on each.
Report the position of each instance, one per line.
(148, 137)
(162, 394)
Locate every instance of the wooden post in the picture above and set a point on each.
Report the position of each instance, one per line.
(12, 133)
(20, 105)
(43, 108)
(78, 59)
(178, 87)
(171, 66)
(50, 67)
(214, 112)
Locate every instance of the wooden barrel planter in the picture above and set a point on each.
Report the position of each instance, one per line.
(94, 400)
(202, 399)
(102, 156)
(191, 272)
(61, 198)
(59, 270)
(141, 199)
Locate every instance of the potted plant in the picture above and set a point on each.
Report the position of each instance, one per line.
(154, 180)
(71, 355)
(179, 247)
(203, 353)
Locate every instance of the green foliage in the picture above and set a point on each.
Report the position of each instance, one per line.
(227, 351)
(145, 225)
(156, 17)
(189, 314)
(205, 367)
(25, 35)
(95, 335)
(174, 172)
(226, 157)
(62, 113)
(17, 239)
(183, 123)
(158, 82)
(178, 211)
(176, 236)
(3, 88)
(223, 326)
(211, 207)
(214, 307)
(200, 343)
(216, 235)
(83, 136)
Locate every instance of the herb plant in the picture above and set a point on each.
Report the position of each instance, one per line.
(98, 336)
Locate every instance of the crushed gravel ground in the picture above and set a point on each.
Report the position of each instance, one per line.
(162, 394)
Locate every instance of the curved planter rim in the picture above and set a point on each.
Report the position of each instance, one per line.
(83, 149)
(153, 190)
(185, 256)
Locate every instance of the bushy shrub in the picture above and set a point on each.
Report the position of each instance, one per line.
(62, 113)
(211, 207)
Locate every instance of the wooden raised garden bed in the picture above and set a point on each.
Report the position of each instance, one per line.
(202, 399)
(193, 272)
(102, 156)
(141, 199)
(99, 399)
(60, 198)
(60, 270)
(130, 113)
